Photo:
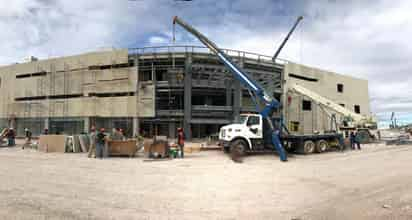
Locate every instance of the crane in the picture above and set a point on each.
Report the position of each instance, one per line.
(269, 103)
(286, 39)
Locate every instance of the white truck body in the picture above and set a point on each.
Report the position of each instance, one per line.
(249, 127)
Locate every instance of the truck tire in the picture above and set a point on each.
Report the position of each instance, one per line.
(308, 147)
(226, 150)
(238, 150)
(322, 146)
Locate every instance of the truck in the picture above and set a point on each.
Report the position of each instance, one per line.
(249, 135)
(249, 131)
(261, 132)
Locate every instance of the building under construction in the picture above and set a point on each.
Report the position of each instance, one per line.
(153, 91)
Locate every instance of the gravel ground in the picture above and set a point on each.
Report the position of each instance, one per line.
(375, 183)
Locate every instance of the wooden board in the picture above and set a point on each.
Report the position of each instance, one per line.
(187, 150)
(76, 144)
(84, 143)
(122, 148)
(52, 143)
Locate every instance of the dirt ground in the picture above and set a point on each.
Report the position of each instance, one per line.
(375, 183)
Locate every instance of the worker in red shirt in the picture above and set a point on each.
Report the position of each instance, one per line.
(181, 141)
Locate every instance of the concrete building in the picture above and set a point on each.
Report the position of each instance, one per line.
(155, 90)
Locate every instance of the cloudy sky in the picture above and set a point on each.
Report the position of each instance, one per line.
(366, 39)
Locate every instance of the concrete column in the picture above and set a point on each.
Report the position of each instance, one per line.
(136, 121)
(188, 97)
(172, 130)
(46, 123)
(228, 93)
(136, 127)
(86, 125)
(237, 98)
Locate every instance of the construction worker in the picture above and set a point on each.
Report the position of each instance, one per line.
(100, 143)
(27, 134)
(352, 140)
(11, 135)
(115, 136)
(46, 131)
(121, 133)
(357, 140)
(92, 140)
(181, 141)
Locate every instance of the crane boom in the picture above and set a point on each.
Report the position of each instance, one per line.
(270, 103)
(327, 103)
(286, 39)
(240, 75)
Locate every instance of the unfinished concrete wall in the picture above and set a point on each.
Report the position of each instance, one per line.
(7, 90)
(355, 90)
(93, 84)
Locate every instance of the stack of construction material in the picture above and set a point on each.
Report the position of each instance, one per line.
(395, 137)
(3, 136)
(193, 147)
(156, 149)
(401, 140)
(64, 143)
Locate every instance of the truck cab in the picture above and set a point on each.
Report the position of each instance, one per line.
(248, 131)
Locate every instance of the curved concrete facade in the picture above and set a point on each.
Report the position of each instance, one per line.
(148, 90)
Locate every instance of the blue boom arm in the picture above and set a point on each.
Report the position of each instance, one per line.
(270, 104)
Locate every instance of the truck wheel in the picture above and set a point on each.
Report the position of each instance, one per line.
(308, 147)
(321, 146)
(237, 150)
(226, 150)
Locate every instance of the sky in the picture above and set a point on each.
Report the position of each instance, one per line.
(365, 39)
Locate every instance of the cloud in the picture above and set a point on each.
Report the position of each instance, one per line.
(157, 40)
(367, 39)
